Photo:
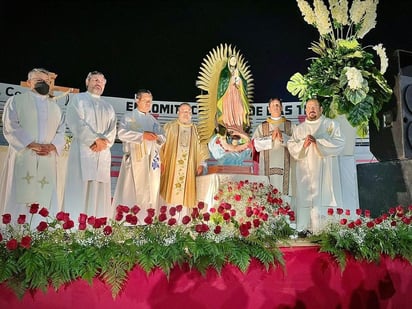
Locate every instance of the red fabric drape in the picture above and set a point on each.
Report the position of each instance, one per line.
(310, 280)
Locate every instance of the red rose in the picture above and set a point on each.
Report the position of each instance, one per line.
(68, 224)
(91, 220)
(233, 212)
(347, 212)
(82, 226)
(42, 226)
(21, 219)
(358, 222)
(172, 211)
(1, 237)
(358, 211)
(393, 223)
(217, 229)
(200, 205)
(135, 209)
(351, 225)
(107, 230)
(162, 217)
(205, 228)
(132, 219)
(212, 210)
(238, 197)
(226, 216)
(6, 218)
(163, 209)
(44, 212)
(179, 208)
(256, 223)
(195, 212)
(172, 221)
(34, 208)
(119, 216)
(339, 211)
(25, 242)
(370, 224)
(148, 220)
(206, 216)
(151, 212)
(186, 220)
(367, 213)
(343, 221)
(12, 244)
(60, 215)
(103, 220)
(82, 218)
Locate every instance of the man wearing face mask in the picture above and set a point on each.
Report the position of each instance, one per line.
(92, 122)
(33, 125)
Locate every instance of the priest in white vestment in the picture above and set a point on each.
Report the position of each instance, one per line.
(139, 176)
(33, 125)
(183, 158)
(270, 141)
(92, 121)
(316, 144)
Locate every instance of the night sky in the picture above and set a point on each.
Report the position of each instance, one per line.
(160, 45)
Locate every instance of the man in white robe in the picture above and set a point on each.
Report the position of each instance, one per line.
(92, 121)
(33, 125)
(183, 158)
(139, 176)
(316, 144)
(269, 140)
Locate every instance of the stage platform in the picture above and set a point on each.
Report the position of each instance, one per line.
(310, 279)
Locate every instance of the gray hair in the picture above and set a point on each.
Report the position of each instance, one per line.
(37, 70)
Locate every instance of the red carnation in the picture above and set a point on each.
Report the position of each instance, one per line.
(34, 208)
(42, 226)
(44, 212)
(6, 218)
(12, 244)
(25, 242)
(21, 219)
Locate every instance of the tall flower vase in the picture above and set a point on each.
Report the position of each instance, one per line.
(347, 164)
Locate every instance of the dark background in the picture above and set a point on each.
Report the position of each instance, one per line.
(160, 45)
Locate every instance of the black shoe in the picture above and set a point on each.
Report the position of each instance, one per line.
(304, 234)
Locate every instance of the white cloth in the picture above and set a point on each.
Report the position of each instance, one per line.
(88, 182)
(139, 176)
(276, 155)
(27, 178)
(317, 171)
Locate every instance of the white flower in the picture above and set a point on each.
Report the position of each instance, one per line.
(307, 12)
(323, 23)
(339, 11)
(357, 11)
(381, 51)
(369, 20)
(354, 77)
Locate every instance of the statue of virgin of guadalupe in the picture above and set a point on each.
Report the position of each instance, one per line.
(224, 107)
